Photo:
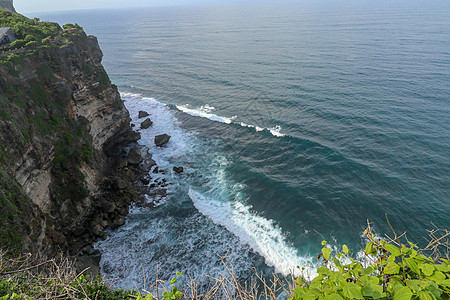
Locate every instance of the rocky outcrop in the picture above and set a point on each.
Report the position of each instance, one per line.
(161, 140)
(7, 5)
(178, 169)
(146, 124)
(64, 133)
(142, 114)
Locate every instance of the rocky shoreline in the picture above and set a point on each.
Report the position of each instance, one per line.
(131, 182)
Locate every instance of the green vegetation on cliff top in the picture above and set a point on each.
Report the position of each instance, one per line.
(28, 29)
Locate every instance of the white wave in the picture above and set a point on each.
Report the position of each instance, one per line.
(276, 131)
(207, 108)
(203, 114)
(261, 234)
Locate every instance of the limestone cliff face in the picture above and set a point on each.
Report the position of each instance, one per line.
(62, 126)
(7, 5)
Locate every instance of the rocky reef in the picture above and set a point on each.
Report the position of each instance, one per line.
(68, 159)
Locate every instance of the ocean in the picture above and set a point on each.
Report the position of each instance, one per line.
(294, 121)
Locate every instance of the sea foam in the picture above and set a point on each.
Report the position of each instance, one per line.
(261, 234)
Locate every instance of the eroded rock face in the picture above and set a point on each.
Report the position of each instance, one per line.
(62, 124)
(7, 5)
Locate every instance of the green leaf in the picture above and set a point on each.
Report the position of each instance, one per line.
(393, 249)
(412, 264)
(445, 282)
(392, 268)
(403, 294)
(173, 280)
(332, 297)
(369, 249)
(323, 270)
(326, 252)
(324, 243)
(427, 269)
(179, 274)
(423, 295)
(368, 280)
(345, 249)
(375, 291)
(367, 271)
(352, 291)
(437, 277)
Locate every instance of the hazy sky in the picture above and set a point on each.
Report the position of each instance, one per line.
(29, 6)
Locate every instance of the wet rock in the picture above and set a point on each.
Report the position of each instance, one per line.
(162, 139)
(155, 170)
(133, 136)
(178, 169)
(145, 180)
(97, 230)
(146, 124)
(150, 163)
(134, 156)
(142, 114)
(118, 222)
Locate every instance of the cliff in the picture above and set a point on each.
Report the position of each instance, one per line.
(7, 5)
(63, 131)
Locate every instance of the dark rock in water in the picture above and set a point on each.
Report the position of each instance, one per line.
(134, 156)
(162, 139)
(133, 136)
(150, 163)
(97, 230)
(133, 125)
(118, 222)
(146, 124)
(156, 170)
(145, 180)
(178, 169)
(142, 114)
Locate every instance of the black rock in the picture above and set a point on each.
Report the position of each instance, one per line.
(178, 169)
(133, 136)
(134, 156)
(146, 124)
(142, 114)
(162, 139)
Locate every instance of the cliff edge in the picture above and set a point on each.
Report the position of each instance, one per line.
(65, 135)
(7, 5)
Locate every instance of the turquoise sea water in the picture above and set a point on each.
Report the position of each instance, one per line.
(293, 120)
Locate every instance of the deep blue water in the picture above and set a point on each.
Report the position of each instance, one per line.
(293, 120)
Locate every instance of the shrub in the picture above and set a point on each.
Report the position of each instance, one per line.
(30, 38)
(17, 44)
(31, 44)
(46, 40)
(394, 271)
